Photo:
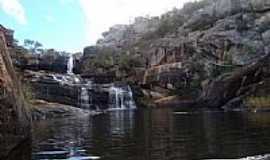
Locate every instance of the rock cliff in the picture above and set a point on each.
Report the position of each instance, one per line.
(182, 49)
(15, 120)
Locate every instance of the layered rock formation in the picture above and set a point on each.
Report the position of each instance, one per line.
(15, 119)
(51, 62)
(77, 92)
(229, 90)
(183, 48)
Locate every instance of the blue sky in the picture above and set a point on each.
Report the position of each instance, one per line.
(73, 24)
(54, 23)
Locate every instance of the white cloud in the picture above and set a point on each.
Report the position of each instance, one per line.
(15, 9)
(102, 14)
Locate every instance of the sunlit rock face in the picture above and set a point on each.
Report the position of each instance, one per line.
(15, 119)
(124, 35)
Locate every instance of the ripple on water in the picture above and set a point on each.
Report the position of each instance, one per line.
(156, 134)
(71, 154)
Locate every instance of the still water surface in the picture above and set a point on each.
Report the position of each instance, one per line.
(158, 134)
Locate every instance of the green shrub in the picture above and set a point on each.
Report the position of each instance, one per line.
(128, 62)
(28, 92)
(258, 102)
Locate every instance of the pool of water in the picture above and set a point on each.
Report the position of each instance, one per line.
(158, 134)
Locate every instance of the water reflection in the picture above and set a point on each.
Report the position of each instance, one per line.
(157, 134)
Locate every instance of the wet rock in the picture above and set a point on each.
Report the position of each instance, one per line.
(43, 110)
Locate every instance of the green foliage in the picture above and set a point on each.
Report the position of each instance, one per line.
(166, 26)
(99, 61)
(258, 102)
(128, 62)
(168, 23)
(220, 70)
(250, 50)
(108, 60)
(28, 92)
(32, 46)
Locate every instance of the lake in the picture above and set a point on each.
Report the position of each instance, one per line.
(158, 134)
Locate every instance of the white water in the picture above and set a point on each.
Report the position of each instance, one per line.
(70, 65)
(121, 98)
(84, 98)
(259, 157)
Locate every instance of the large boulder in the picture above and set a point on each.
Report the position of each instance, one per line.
(15, 120)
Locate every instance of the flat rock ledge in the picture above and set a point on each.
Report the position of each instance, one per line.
(42, 110)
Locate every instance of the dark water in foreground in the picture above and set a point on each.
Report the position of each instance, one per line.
(159, 134)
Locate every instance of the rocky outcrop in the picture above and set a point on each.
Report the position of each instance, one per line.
(122, 36)
(166, 74)
(230, 89)
(51, 62)
(15, 120)
(43, 110)
(56, 92)
(68, 89)
(208, 38)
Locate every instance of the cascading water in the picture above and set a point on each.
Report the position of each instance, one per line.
(121, 98)
(84, 99)
(70, 65)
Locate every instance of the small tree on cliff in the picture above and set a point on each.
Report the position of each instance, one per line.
(32, 46)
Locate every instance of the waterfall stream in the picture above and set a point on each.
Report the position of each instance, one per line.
(70, 65)
(84, 98)
(121, 98)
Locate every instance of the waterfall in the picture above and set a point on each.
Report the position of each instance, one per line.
(70, 65)
(84, 99)
(121, 98)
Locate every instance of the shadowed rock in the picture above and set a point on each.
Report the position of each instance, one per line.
(14, 115)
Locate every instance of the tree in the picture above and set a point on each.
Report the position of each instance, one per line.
(32, 46)
(15, 42)
(28, 42)
(37, 45)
